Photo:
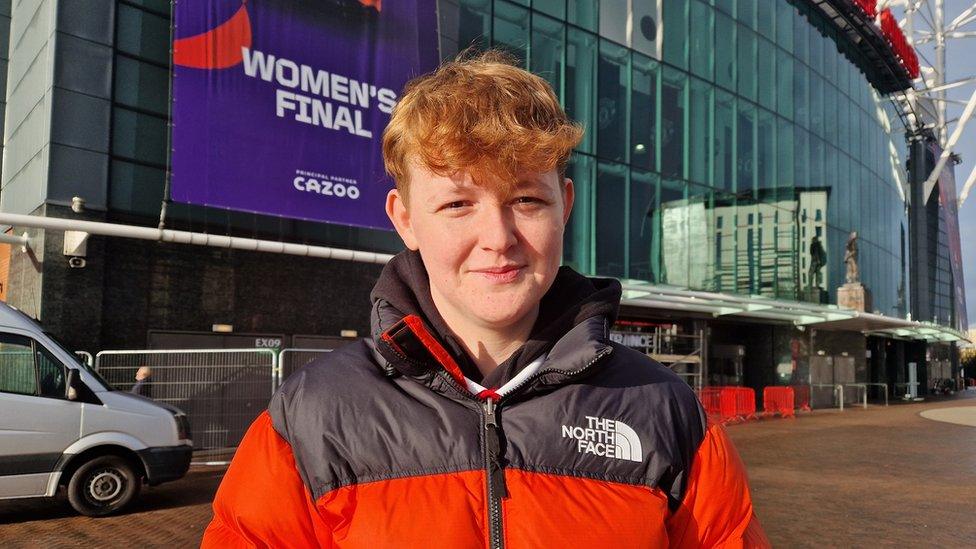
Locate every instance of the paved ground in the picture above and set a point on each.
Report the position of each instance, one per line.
(876, 477)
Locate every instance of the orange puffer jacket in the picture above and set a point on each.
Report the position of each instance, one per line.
(385, 443)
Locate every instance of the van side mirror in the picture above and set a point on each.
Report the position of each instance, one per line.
(71, 385)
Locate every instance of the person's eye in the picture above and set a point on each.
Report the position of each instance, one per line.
(454, 206)
(530, 201)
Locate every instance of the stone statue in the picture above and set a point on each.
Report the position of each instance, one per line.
(818, 258)
(850, 259)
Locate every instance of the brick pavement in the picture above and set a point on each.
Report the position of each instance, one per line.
(876, 477)
(881, 477)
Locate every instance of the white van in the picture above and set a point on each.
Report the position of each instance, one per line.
(61, 424)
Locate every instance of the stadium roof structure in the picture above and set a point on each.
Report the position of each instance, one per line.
(879, 60)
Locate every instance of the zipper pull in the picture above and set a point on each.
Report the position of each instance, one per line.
(490, 413)
(496, 472)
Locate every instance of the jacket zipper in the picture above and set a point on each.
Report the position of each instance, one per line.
(494, 475)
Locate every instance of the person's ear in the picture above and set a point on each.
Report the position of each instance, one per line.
(569, 196)
(399, 214)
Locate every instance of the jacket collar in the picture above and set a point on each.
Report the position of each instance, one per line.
(411, 339)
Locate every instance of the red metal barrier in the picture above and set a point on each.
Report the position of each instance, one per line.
(728, 404)
(779, 400)
(711, 400)
(801, 396)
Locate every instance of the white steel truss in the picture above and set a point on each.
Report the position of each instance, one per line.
(925, 26)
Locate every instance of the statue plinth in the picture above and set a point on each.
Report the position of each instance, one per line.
(854, 295)
(816, 295)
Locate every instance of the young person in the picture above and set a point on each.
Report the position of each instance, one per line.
(489, 408)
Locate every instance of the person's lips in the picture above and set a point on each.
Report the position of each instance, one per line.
(501, 274)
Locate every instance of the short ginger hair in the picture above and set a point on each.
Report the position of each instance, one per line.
(481, 114)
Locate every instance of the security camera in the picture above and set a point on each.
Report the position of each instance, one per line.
(76, 262)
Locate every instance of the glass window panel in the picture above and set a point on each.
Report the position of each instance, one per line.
(614, 20)
(816, 104)
(746, 63)
(474, 24)
(766, 20)
(784, 153)
(674, 100)
(582, 13)
(830, 165)
(725, 51)
(141, 85)
(784, 25)
(746, 12)
(161, 6)
(671, 222)
(766, 72)
(801, 155)
(724, 142)
(784, 83)
(50, 373)
(702, 39)
(580, 90)
(555, 8)
(843, 76)
(801, 97)
(17, 373)
(643, 203)
(831, 54)
(766, 153)
(612, 115)
(142, 34)
(138, 136)
(843, 123)
(511, 29)
(699, 132)
(815, 44)
(611, 227)
(801, 39)
(675, 28)
(830, 100)
(745, 148)
(816, 170)
(701, 261)
(577, 241)
(643, 107)
(725, 6)
(547, 51)
(135, 188)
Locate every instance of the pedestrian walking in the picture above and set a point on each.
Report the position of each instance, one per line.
(489, 406)
(142, 385)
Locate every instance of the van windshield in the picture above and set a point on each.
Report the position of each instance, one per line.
(79, 361)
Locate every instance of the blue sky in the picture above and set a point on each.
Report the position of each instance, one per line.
(961, 63)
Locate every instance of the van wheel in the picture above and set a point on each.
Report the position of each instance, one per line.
(103, 486)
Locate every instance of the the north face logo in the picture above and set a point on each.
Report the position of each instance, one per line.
(607, 438)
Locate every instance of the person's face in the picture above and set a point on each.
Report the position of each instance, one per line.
(490, 257)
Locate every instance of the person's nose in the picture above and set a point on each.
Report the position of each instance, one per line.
(496, 229)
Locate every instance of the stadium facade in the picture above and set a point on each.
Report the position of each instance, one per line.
(732, 148)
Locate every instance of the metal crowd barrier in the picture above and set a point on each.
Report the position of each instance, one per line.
(222, 391)
(86, 356)
(729, 403)
(779, 400)
(290, 360)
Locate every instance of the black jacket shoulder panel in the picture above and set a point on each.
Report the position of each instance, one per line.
(348, 423)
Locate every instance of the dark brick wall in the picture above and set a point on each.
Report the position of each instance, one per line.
(159, 286)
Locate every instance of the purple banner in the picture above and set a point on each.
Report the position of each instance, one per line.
(279, 105)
